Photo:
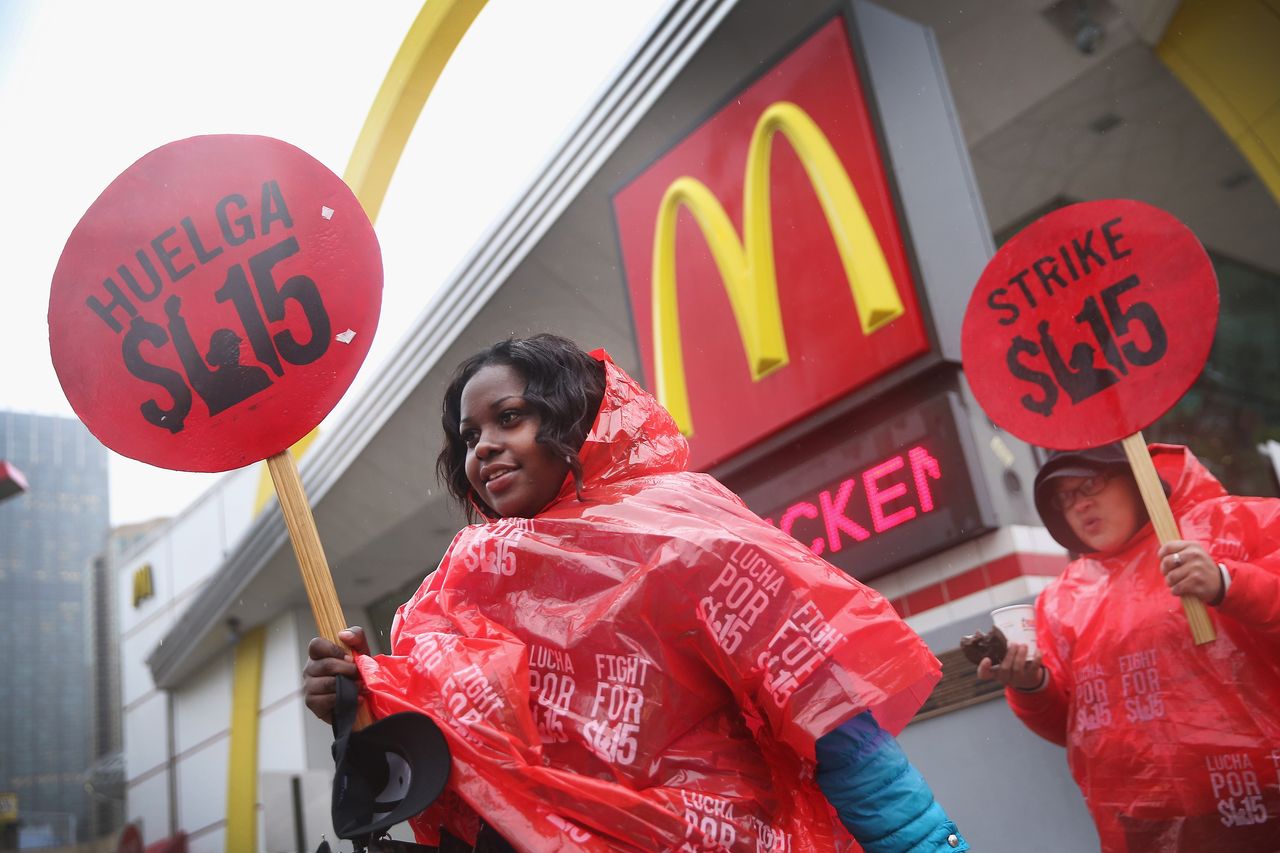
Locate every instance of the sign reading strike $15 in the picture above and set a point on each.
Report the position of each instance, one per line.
(1090, 324)
(214, 303)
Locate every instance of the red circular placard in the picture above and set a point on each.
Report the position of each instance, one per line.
(1090, 324)
(130, 840)
(214, 303)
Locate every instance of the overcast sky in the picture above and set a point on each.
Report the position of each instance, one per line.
(86, 88)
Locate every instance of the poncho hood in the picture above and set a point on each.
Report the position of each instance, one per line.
(633, 436)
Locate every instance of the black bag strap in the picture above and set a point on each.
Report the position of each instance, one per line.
(344, 712)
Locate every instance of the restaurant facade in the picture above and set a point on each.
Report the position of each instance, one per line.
(773, 216)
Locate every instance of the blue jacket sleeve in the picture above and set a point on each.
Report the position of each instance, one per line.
(882, 800)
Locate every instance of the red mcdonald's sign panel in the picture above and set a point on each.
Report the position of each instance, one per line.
(764, 258)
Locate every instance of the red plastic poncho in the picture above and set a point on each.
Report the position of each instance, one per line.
(645, 669)
(1176, 747)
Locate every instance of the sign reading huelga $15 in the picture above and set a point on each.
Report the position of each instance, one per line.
(214, 303)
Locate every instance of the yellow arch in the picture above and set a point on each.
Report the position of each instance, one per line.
(426, 49)
(1227, 53)
(242, 742)
(746, 266)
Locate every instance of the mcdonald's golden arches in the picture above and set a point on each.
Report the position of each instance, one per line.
(787, 283)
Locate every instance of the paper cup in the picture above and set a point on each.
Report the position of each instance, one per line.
(1018, 624)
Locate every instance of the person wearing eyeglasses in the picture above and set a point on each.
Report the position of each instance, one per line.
(1176, 747)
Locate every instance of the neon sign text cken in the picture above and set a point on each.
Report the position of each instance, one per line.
(893, 492)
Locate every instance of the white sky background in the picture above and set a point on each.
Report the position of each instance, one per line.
(86, 88)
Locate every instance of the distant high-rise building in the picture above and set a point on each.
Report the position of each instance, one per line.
(105, 779)
(49, 537)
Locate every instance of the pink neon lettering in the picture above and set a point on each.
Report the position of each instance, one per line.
(835, 519)
(878, 497)
(923, 464)
(797, 511)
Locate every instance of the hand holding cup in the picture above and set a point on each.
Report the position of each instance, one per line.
(1020, 668)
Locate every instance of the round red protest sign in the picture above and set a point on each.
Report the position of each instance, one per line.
(1090, 324)
(214, 303)
(130, 840)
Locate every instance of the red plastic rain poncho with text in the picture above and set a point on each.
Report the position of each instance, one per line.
(1176, 747)
(644, 669)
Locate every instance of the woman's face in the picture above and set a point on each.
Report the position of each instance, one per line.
(506, 466)
(1107, 520)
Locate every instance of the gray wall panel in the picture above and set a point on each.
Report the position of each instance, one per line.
(930, 162)
(1008, 789)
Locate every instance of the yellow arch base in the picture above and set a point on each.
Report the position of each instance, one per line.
(242, 764)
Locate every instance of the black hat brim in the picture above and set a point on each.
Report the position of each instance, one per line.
(387, 773)
(1071, 463)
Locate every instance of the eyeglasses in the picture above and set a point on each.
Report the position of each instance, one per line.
(1064, 499)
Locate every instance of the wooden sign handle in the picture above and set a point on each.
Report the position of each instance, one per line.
(311, 562)
(1144, 471)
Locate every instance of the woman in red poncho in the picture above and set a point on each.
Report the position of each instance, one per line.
(1175, 746)
(624, 657)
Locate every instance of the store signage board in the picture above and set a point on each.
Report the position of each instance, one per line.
(882, 496)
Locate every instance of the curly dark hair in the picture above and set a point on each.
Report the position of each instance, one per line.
(564, 386)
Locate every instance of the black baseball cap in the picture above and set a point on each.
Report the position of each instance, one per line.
(385, 773)
(1072, 463)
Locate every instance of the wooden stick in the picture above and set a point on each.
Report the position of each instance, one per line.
(311, 562)
(1144, 471)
